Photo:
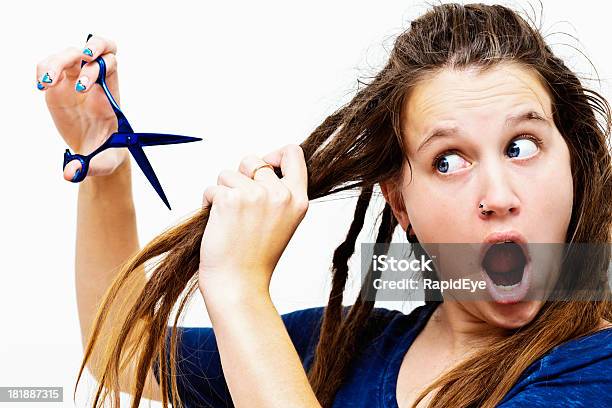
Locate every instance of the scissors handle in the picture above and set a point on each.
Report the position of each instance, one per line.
(85, 159)
(123, 125)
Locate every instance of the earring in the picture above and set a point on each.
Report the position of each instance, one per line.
(411, 238)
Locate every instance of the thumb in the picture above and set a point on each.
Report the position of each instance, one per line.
(102, 164)
(71, 169)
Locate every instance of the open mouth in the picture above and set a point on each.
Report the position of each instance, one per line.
(504, 263)
(506, 267)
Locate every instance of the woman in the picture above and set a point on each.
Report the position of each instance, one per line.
(474, 131)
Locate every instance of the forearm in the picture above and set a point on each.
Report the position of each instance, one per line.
(106, 237)
(260, 363)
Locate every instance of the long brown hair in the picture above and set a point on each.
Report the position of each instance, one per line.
(357, 147)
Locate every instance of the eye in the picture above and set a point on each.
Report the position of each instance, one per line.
(448, 160)
(526, 144)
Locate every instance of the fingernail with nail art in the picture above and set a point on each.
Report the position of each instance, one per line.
(81, 84)
(88, 52)
(40, 86)
(47, 78)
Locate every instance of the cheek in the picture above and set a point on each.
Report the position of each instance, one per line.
(432, 210)
(557, 208)
(551, 198)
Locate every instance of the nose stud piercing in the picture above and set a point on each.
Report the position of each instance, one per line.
(483, 212)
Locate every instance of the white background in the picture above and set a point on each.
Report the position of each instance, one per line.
(247, 77)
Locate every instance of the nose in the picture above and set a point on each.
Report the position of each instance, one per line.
(498, 198)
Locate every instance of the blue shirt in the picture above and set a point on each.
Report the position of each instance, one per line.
(577, 373)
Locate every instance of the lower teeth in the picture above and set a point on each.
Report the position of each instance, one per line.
(506, 288)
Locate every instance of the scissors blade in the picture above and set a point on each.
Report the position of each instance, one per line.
(153, 139)
(146, 168)
(120, 139)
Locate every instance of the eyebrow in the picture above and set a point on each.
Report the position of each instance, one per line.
(511, 120)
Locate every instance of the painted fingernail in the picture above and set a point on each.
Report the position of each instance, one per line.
(47, 78)
(76, 175)
(81, 84)
(40, 86)
(88, 52)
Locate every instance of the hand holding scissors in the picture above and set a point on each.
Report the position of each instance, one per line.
(65, 65)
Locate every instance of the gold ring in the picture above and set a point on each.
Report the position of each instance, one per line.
(263, 165)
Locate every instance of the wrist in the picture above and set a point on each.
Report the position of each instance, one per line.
(234, 308)
(228, 294)
(116, 186)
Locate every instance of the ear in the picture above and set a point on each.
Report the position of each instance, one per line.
(393, 196)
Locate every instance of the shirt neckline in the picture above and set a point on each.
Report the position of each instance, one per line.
(391, 372)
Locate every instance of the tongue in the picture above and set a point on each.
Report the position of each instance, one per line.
(503, 257)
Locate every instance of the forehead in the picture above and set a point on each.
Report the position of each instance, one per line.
(472, 98)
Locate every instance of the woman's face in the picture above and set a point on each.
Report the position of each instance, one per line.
(485, 151)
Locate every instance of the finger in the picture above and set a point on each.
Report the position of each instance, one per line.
(97, 46)
(89, 72)
(71, 169)
(250, 163)
(100, 165)
(290, 159)
(231, 178)
(51, 70)
(210, 193)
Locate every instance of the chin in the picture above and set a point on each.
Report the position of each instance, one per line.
(511, 316)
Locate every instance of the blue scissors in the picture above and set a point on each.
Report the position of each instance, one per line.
(125, 137)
